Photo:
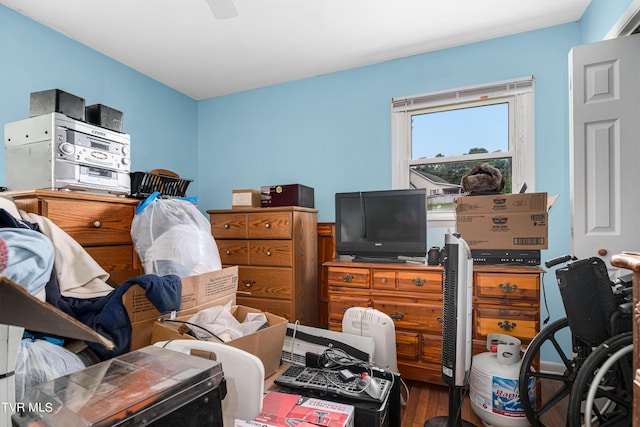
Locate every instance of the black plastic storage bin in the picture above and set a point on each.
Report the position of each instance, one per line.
(145, 183)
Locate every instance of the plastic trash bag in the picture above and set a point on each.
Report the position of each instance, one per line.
(40, 361)
(172, 236)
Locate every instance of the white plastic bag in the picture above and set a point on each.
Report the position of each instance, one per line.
(40, 361)
(219, 320)
(172, 236)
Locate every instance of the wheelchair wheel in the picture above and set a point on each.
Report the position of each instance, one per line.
(548, 405)
(612, 394)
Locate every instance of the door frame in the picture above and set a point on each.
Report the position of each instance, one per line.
(628, 23)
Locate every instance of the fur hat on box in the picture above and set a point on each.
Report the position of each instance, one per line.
(483, 178)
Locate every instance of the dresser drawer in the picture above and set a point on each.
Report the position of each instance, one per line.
(384, 279)
(91, 222)
(431, 349)
(338, 304)
(408, 315)
(407, 345)
(262, 282)
(520, 323)
(269, 225)
(505, 285)
(233, 252)
(271, 252)
(348, 277)
(229, 226)
(420, 281)
(114, 258)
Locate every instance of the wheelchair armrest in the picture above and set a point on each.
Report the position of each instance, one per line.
(626, 308)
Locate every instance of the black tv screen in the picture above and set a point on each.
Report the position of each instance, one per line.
(381, 224)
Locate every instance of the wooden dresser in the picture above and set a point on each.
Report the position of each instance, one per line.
(100, 223)
(276, 252)
(506, 299)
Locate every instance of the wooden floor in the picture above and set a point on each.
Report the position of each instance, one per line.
(427, 401)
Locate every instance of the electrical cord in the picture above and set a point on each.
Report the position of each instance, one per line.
(544, 297)
(193, 324)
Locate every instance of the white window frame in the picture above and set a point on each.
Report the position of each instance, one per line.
(519, 93)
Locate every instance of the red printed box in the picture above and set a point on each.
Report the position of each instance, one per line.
(285, 410)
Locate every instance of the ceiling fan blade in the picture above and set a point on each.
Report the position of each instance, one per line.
(222, 9)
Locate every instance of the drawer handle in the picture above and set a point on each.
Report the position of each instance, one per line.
(97, 224)
(383, 280)
(347, 278)
(268, 253)
(248, 282)
(507, 325)
(508, 287)
(396, 316)
(267, 225)
(419, 281)
(226, 226)
(227, 252)
(243, 293)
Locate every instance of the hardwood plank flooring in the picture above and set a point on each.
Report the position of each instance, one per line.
(429, 400)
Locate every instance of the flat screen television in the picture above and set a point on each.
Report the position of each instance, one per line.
(380, 226)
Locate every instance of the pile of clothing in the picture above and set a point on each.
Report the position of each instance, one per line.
(52, 266)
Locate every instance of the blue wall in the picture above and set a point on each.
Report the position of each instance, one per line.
(330, 132)
(162, 122)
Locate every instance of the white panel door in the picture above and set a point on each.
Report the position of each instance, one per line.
(605, 147)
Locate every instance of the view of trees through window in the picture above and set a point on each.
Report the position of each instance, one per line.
(449, 143)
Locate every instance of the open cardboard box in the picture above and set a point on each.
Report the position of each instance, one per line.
(266, 343)
(504, 221)
(198, 292)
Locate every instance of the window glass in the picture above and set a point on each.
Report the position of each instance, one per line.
(456, 133)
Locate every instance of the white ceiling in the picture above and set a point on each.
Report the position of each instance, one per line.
(181, 44)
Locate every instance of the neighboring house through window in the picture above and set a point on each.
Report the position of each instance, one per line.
(438, 137)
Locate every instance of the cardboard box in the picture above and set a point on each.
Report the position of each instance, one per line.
(198, 292)
(19, 308)
(266, 343)
(285, 410)
(504, 221)
(502, 203)
(245, 199)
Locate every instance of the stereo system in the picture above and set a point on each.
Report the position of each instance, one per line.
(58, 152)
(511, 256)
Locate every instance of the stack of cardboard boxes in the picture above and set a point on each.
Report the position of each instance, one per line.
(504, 221)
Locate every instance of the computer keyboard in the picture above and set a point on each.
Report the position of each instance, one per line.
(328, 381)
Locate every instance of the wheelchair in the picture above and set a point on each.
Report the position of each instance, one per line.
(593, 382)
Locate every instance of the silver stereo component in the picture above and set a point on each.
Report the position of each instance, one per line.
(56, 151)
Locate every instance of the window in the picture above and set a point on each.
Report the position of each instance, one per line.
(440, 136)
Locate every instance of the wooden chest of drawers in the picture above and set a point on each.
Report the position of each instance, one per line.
(505, 300)
(100, 223)
(275, 250)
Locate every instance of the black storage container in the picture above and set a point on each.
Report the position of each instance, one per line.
(106, 117)
(143, 184)
(56, 101)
